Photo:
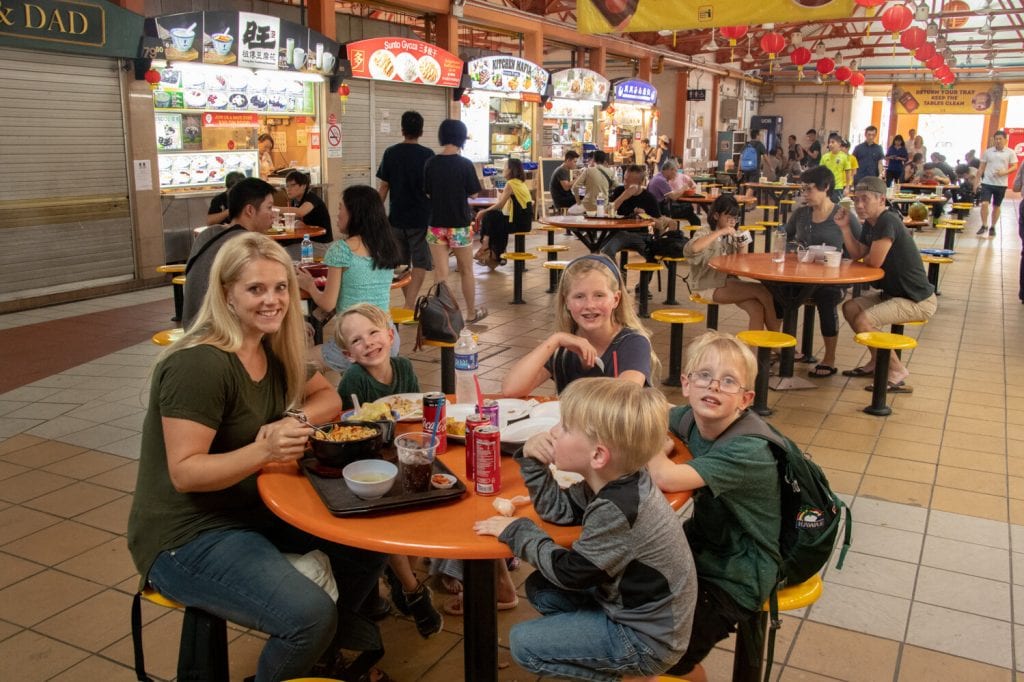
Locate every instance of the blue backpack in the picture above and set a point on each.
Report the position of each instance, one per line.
(748, 159)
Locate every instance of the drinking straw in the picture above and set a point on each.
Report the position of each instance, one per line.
(615, 364)
(479, 395)
(433, 431)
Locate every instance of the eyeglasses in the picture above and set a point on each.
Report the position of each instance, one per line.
(726, 384)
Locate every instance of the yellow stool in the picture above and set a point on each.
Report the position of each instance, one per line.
(962, 209)
(934, 263)
(447, 362)
(402, 316)
(203, 649)
(951, 227)
(518, 259)
(177, 288)
(167, 336)
(788, 599)
(898, 329)
(765, 342)
(753, 229)
(785, 206)
(552, 250)
(551, 230)
(770, 211)
(712, 316)
(880, 341)
(645, 270)
(671, 263)
(555, 267)
(677, 317)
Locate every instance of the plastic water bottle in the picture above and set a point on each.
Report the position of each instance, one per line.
(779, 246)
(600, 205)
(306, 250)
(465, 368)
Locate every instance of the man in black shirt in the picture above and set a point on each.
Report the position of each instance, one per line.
(630, 199)
(401, 176)
(218, 212)
(561, 182)
(811, 150)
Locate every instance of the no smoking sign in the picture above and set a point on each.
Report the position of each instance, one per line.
(334, 141)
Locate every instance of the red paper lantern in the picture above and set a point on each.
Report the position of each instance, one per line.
(897, 18)
(856, 79)
(733, 33)
(343, 91)
(868, 4)
(948, 80)
(935, 61)
(610, 110)
(825, 66)
(800, 56)
(924, 53)
(843, 73)
(942, 71)
(913, 38)
(153, 78)
(465, 100)
(773, 43)
(549, 105)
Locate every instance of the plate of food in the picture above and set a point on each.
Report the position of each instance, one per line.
(456, 414)
(513, 409)
(409, 406)
(371, 412)
(549, 410)
(519, 432)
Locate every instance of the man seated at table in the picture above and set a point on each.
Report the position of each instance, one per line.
(219, 212)
(632, 200)
(596, 179)
(904, 292)
(561, 182)
(670, 188)
(250, 204)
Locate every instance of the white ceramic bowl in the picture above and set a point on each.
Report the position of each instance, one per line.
(370, 479)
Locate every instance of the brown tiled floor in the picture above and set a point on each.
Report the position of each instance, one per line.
(929, 590)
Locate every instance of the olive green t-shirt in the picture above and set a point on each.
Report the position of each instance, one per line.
(734, 530)
(211, 387)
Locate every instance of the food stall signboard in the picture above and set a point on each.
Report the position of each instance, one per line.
(94, 27)
(636, 91)
(925, 98)
(508, 75)
(581, 84)
(404, 60)
(239, 39)
(616, 16)
(215, 120)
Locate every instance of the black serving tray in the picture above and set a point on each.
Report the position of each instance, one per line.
(341, 501)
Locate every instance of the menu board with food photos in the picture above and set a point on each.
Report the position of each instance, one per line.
(198, 169)
(405, 60)
(507, 75)
(582, 84)
(233, 89)
(168, 132)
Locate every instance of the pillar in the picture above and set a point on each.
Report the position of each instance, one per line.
(597, 58)
(321, 18)
(679, 125)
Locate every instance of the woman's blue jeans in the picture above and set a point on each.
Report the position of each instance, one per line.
(575, 639)
(240, 575)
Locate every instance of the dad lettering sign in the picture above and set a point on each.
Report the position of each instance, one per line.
(93, 27)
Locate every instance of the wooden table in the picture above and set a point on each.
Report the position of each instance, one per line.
(300, 232)
(926, 188)
(480, 203)
(780, 279)
(442, 530)
(595, 232)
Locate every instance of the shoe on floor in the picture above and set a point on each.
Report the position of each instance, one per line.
(398, 597)
(428, 620)
(478, 314)
(991, 232)
(375, 608)
(898, 387)
(981, 230)
(858, 372)
(822, 371)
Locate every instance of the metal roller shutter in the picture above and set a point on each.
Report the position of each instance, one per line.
(64, 208)
(355, 131)
(396, 99)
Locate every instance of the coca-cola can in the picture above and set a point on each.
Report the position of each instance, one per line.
(432, 404)
(492, 412)
(473, 422)
(487, 453)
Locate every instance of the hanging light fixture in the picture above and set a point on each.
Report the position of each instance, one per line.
(986, 8)
(948, 55)
(940, 43)
(711, 45)
(921, 11)
(951, 58)
(986, 28)
(819, 50)
(932, 29)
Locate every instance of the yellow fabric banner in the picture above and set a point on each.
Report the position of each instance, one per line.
(932, 98)
(621, 16)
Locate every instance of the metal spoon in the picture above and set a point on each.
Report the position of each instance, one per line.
(301, 416)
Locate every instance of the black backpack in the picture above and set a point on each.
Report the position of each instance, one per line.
(811, 512)
(667, 245)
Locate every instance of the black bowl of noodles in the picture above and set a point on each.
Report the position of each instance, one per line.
(345, 442)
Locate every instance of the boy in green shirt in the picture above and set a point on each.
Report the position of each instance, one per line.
(838, 161)
(734, 530)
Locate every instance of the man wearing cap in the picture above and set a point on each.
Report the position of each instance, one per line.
(904, 292)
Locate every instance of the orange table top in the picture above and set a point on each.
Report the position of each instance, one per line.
(921, 198)
(443, 530)
(708, 199)
(300, 232)
(760, 266)
(916, 185)
(578, 222)
(789, 186)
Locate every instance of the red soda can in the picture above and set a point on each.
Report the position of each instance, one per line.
(491, 411)
(473, 422)
(432, 403)
(487, 451)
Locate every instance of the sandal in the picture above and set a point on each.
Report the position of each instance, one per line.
(478, 314)
(898, 387)
(822, 371)
(451, 585)
(453, 606)
(858, 372)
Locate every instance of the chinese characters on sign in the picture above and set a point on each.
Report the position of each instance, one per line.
(638, 91)
(259, 34)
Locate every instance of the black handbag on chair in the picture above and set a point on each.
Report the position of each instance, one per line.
(439, 316)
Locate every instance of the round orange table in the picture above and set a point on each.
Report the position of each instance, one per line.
(442, 530)
(807, 277)
(301, 231)
(595, 232)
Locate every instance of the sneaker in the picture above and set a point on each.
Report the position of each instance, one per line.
(397, 595)
(428, 620)
(991, 232)
(981, 230)
(375, 607)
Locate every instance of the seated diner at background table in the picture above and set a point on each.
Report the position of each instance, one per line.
(904, 294)
(669, 188)
(599, 333)
(512, 212)
(597, 178)
(360, 267)
(631, 199)
(721, 238)
(198, 531)
(624, 592)
(734, 529)
(562, 196)
(219, 212)
(250, 204)
(813, 224)
(307, 206)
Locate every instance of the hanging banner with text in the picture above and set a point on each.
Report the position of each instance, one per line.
(404, 60)
(93, 27)
(928, 98)
(622, 16)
